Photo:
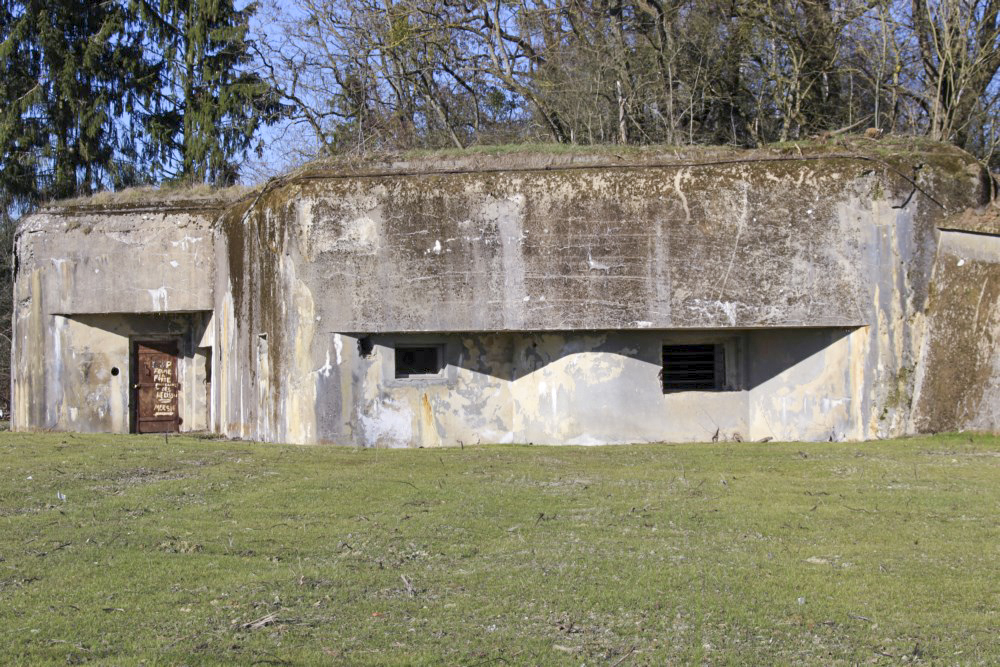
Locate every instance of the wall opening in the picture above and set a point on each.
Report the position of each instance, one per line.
(419, 360)
(206, 352)
(695, 367)
(263, 385)
(365, 346)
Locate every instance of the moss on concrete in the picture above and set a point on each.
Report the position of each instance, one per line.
(960, 366)
(985, 220)
(549, 156)
(167, 196)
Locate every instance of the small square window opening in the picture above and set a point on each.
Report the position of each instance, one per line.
(419, 360)
(700, 367)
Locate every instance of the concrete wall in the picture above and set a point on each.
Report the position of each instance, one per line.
(552, 283)
(574, 387)
(822, 267)
(92, 279)
(585, 249)
(957, 383)
(130, 260)
(808, 384)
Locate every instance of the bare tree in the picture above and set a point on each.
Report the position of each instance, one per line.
(362, 75)
(959, 44)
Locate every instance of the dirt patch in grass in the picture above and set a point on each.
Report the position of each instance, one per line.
(118, 481)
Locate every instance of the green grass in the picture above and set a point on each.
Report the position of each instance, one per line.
(167, 553)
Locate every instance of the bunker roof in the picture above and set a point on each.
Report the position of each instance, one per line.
(171, 197)
(534, 157)
(897, 153)
(985, 220)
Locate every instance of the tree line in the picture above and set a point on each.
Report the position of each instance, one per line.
(362, 75)
(106, 94)
(112, 93)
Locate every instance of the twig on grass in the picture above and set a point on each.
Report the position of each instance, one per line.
(273, 660)
(499, 658)
(628, 654)
(179, 640)
(263, 621)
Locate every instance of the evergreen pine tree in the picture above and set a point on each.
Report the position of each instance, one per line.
(69, 72)
(22, 135)
(210, 104)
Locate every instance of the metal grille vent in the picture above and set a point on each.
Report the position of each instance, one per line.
(693, 368)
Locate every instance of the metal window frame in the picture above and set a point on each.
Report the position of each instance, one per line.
(711, 378)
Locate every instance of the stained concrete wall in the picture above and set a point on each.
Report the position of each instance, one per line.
(821, 268)
(594, 388)
(584, 388)
(553, 283)
(957, 382)
(90, 280)
(674, 244)
(89, 374)
(584, 249)
(808, 384)
(126, 260)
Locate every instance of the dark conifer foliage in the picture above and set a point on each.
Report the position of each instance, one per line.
(69, 71)
(210, 102)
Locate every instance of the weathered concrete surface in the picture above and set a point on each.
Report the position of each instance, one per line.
(716, 244)
(576, 255)
(660, 248)
(552, 283)
(958, 377)
(807, 384)
(122, 261)
(580, 388)
(82, 391)
(91, 279)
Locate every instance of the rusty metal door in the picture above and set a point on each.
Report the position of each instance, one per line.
(157, 387)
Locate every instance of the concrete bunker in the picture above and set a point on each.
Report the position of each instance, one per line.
(113, 316)
(581, 299)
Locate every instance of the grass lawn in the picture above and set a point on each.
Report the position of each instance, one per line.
(132, 550)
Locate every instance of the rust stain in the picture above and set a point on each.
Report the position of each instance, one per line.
(427, 421)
